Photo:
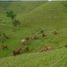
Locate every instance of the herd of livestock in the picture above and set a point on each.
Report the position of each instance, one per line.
(26, 41)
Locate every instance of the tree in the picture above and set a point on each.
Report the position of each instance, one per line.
(11, 14)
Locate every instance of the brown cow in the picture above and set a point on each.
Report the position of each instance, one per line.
(35, 37)
(17, 51)
(46, 48)
(20, 51)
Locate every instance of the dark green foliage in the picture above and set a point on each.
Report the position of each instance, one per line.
(11, 14)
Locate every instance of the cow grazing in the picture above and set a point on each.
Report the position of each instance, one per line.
(17, 51)
(20, 51)
(25, 41)
(46, 48)
(35, 37)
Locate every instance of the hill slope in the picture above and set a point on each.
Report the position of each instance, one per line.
(20, 6)
(47, 15)
(50, 16)
(56, 58)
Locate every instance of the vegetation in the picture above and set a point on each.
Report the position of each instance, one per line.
(54, 58)
(13, 18)
(41, 37)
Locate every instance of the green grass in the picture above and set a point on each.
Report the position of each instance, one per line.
(15, 34)
(35, 16)
(54, 58)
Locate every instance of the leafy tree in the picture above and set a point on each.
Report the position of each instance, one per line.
(11, 14)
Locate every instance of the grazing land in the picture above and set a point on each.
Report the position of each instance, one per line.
(33, 34)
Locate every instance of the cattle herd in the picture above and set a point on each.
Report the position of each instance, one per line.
(26, 41)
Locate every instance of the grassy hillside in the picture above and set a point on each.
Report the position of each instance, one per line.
(6, 23)
(49, 16)
(55, 58)
(19, 7)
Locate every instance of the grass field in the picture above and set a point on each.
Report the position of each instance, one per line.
(34, 17)
(54, 58)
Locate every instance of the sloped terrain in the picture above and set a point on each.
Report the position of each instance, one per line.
(34, 17)
(55, 58)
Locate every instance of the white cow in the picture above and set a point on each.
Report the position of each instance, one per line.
(23, 41)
